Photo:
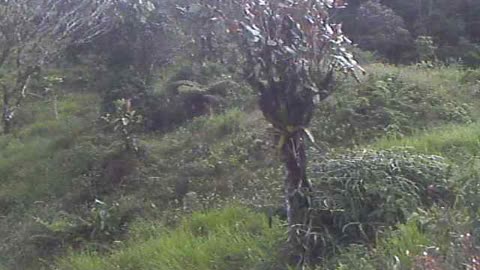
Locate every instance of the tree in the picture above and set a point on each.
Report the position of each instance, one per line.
(290, 50)
(378, 28)
(33, 34)
(425, 48)
(140, 38)
(126, 59)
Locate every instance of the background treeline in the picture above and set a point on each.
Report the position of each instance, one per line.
(394, 29)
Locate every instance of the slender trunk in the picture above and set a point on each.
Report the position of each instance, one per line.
(55, 106)
(297, 197)
(6, 123)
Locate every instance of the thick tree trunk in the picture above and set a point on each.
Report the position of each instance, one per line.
(297, 196)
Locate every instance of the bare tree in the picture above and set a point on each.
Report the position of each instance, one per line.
(33, 33)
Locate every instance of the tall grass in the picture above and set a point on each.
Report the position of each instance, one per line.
(228, 239)
(454, 141)
(44, 154)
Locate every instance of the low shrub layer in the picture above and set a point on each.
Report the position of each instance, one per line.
(359, 194)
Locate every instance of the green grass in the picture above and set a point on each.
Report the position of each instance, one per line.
(41, 158)
(453, 141)
(435, 78)
(229, 239)
(395, 101)
(52, 168)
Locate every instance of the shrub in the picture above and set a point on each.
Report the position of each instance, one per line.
(471, 76)
(441, 238)
(191, 91)
(359, 193)
(437, 238)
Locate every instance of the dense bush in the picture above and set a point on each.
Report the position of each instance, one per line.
(358, 194)
(441, 238)
(190, 92)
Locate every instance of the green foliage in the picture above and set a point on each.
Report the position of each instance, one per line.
(232, 238)
(453, 26)
(361, 192)
(395, 249)
(220, 157)
(354, 256)
(124, 122)
(377, 28)
(471, 76)
(399, 248)
(191, 92)
(205, 74)
(52, 171)
(394, 102)
(425, 48)
(438, 239)
(457, 142)
(46, 152)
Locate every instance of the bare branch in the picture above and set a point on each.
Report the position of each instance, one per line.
(35, 32)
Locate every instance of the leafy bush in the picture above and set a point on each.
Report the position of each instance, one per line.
(190, 91)
(471, 76)
(435, 238)
(360, 193)
(441, 238)
(123, 122)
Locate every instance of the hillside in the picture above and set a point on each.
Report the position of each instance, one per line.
(395, 174)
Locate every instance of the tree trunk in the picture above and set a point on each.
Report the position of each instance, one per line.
(6, 121)
(7, 125)
(55, 106)
(297, 197)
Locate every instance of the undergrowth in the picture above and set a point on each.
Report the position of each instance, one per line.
(395, 101)
(67, 187)
(458, 142)
(231, 238)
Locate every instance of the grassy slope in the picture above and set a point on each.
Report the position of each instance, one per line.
(231, 238)
(39, 164)
(48, 201)
(453, 141)
(223, 157)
